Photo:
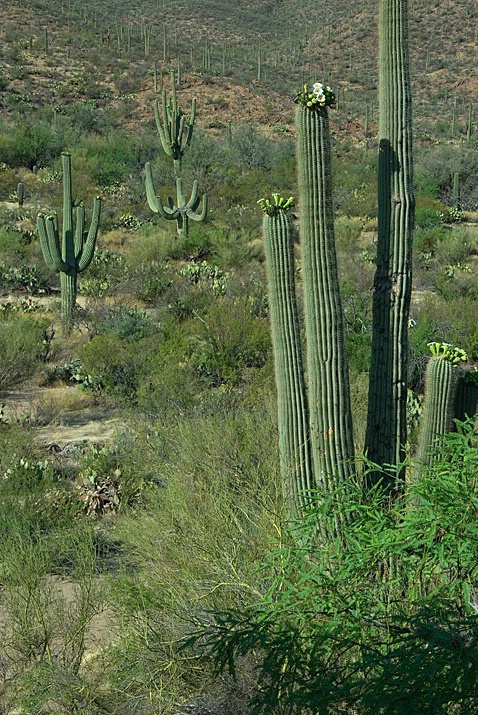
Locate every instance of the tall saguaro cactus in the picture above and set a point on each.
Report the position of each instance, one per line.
(181, 211)
(175, 128)
(386, 424)
(328, 380)
(293, 412)
(70, 250)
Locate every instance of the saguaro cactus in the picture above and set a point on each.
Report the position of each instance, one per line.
(181, 211)
(328, 380)
(466, 398)
(387, 405)
(293, 413)
(174, 127)
(440, 393)
(72, 251)
(20, 193)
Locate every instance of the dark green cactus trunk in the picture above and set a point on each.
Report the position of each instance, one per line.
(438, 408)
(293, 413)
(328, 381)
(20, 193)
(466, 398)
(68, 286)
(387, 424)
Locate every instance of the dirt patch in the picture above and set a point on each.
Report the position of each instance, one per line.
(61, 415)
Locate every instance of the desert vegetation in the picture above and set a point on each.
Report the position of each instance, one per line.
(170, 542)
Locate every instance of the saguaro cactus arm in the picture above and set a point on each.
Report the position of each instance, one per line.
(85, 257)
(50, 243)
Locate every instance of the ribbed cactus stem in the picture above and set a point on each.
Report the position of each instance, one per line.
(386, 434)
(179, 211)
(438, 408)
(328, 381)
(293, 413)
(72, 251)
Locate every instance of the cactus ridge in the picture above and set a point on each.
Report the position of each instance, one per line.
(68, 251)
(293, 411)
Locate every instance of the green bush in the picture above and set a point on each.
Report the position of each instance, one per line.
(229, 341)
(21, 349)
(381, 620)
(191, 543)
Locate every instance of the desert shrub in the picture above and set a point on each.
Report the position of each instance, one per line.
(440, 163)
(105, 272)
(456, 246)
(116, 365)
(28, 278)
(252, 149)
(22, 349)
(127, 323)
(8, 180)
(220, 487)
(427, 237)
(334, 630)
(153, 280)
(31, 144)
(229, 341)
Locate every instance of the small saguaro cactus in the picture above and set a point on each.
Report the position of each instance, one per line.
(440, 393)
(70, 249)
(20, 193)
(292, 406)
(327, 363)
(181, 211)
(175, 128)
(466, 398)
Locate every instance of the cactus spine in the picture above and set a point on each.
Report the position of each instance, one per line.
(328, 381)
(181, 211)
(386, 424)
(175, 128)
(73, 251)
(293, 413)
